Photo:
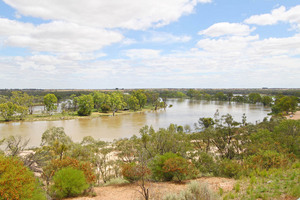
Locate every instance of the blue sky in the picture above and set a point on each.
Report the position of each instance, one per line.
(98, 44)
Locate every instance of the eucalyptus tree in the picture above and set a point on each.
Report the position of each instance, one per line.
(50, 101)
(115, 101)
(85, 105)
(10, 111)
(99, 99)
(141, 97)
(133, 103)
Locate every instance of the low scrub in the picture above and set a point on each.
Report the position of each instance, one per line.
(194, 191)
(17, 182)
(133, 172)
(68, 182)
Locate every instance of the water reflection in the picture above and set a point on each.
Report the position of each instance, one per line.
(183, 112)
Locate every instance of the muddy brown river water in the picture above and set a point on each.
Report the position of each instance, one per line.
(108, 128)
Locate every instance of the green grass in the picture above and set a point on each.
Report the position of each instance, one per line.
(267, 185)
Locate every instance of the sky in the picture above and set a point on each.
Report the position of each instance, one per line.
(106, 44)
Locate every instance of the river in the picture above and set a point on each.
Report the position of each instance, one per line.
(107, 128)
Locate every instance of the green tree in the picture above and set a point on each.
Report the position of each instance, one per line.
(220, 96)
(171, 139)
(22, 99)
(85, 104)
(254, 97)
(56, 142)
(229, 96)
(287, 133)
(99, 99)
(204, 123)
(115, 101)
(133, 103)
(141, 97)
(192, 93)
(267, 100)
(50, 100)
(10, 110)
(7, 110)
(285, 104)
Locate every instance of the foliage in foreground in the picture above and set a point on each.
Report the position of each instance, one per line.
(68, 182)
(268, 185)
(17, 182)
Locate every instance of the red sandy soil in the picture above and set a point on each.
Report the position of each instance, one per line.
(157, 190)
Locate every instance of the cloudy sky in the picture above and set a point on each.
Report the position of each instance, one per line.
(101, 44)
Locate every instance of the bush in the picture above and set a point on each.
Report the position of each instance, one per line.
(179, 168)
(157, 164)
(229, 168)
(116, 181)
(267, 159)
(57, 164)
(68, 182)
(204, 162)
(200, 191)
(17, 182)
(195, 191)
(133, 172)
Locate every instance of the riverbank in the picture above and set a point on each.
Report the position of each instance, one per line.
(73, 115)
(294, 116)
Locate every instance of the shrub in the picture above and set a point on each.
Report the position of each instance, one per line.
(201, 191)
(194, 191)
(68, 182)
(204, 162)
(58, 164)
(267, 159)
(157, 165)
(17, 182)
(171, 196)
(179, 168)
(229, 168)
(133, 172)
(116, 181)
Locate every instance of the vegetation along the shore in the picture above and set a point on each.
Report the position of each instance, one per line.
(19, 105)
(263, 158)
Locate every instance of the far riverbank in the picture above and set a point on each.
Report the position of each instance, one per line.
(295, 116)
(70, 116)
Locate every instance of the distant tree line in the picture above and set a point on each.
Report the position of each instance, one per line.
(17, 105)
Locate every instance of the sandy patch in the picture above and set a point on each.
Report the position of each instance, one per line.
(295, 116)
(157, 190)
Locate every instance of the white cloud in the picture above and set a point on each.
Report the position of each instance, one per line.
(163, 37)
(279, 14)
(225, 28)
(56, 36)
(142, 53)
(134, 14)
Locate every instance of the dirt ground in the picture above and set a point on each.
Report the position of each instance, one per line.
(157, 190)
(295, 116)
